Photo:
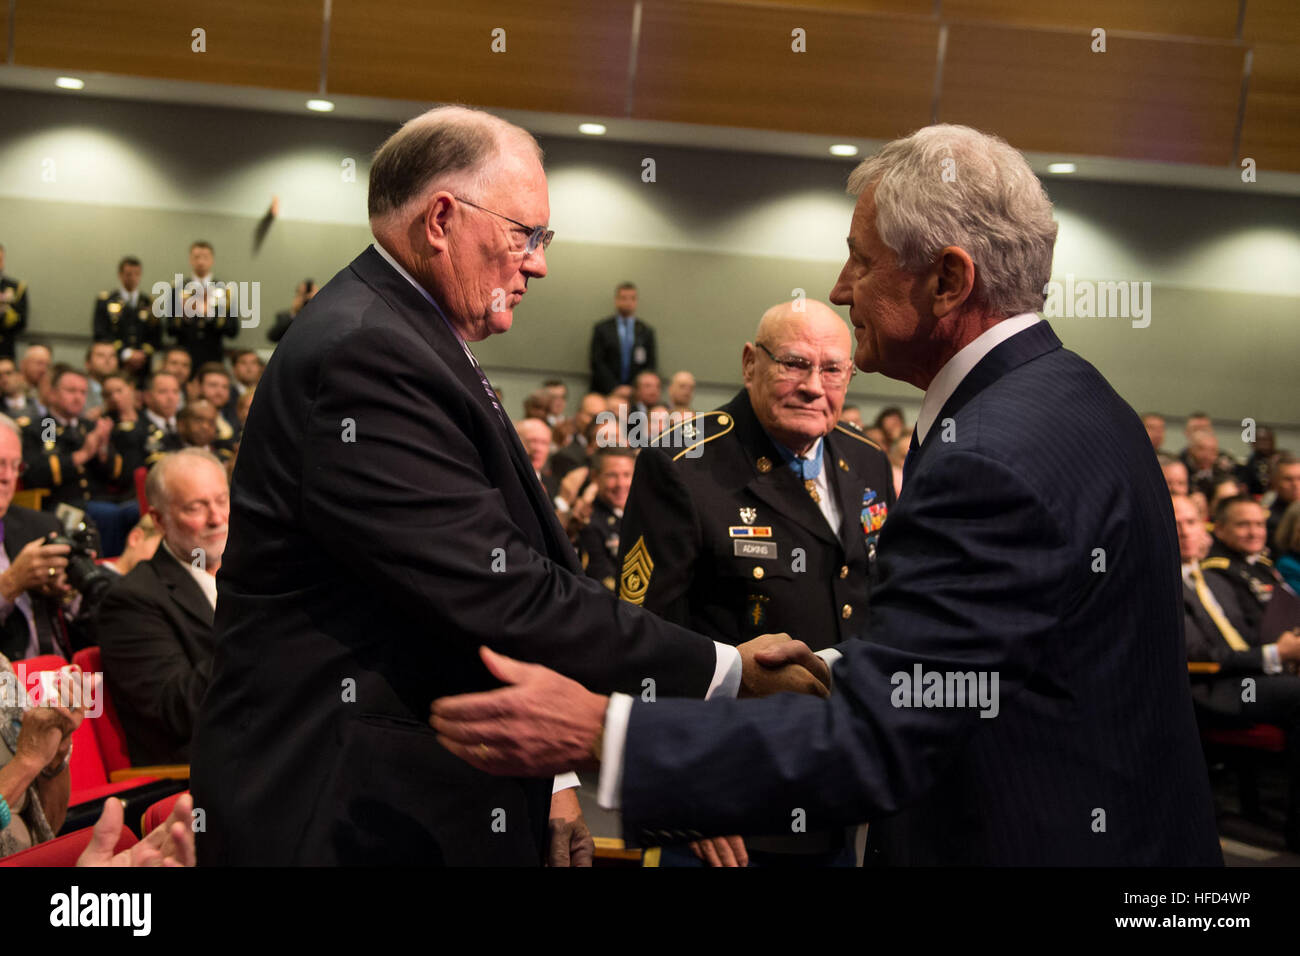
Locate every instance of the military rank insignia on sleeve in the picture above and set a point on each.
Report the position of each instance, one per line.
(637, 568)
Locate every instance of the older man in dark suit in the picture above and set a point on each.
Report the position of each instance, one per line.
(155, 626)
(385, 523)
(1022, 698)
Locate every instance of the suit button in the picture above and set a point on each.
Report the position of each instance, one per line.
(844, 572)
(758, 573)
(846, 611)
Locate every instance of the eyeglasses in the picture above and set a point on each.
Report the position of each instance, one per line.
(16, 465)
(796, 368)
(537, 235)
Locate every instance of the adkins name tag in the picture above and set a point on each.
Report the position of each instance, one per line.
(755, 549)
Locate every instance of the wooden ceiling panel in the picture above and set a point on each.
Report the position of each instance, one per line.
(247, 42)
(1270, 133)
(1272, 21)
(861, 75)
(914, 8)
(564, 56)
(1198, 18)
(1143, 98)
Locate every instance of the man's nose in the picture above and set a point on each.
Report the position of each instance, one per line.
(535, 265)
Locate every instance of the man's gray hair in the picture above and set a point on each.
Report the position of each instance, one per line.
(451, 147)
(951, 185)
(155, 483)
(9, 423)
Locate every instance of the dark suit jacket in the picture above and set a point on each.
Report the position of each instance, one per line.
(685, 511)
(607, 358)
(22, 526)
(155, 639)
(986, 566)
(385, 522)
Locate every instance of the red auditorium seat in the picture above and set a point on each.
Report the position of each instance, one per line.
(1259, 737)
(158, 812)
(109, 739)
(140, 474)
(64, 850)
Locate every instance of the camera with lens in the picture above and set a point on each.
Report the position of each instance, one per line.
(84, 576)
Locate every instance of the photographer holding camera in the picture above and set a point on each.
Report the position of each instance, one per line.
(37, 604)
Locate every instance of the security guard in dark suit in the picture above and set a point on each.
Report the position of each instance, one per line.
(14, 303)
(1235, 569)
(598, 541)
(720, 534)
(125, 318)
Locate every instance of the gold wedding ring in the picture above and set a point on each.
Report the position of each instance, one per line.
(483, 750)
(51, 572)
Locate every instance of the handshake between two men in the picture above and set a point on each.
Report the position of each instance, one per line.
(543, 723)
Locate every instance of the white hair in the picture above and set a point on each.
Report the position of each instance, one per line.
(155, 483)
(951, 185)
(448, 147)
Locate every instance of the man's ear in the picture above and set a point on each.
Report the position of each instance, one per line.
(436, 220)
(953, 280)
(747, 359)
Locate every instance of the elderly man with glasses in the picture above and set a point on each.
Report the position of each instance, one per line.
(764, 518)
(385, 521)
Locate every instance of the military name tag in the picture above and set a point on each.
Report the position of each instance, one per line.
(755, 549)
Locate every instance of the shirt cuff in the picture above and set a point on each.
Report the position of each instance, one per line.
(609, 790)
(1272, 662)
(565, 781)
(726, 673)
(831, 656)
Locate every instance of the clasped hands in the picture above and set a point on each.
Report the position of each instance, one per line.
(543, 723)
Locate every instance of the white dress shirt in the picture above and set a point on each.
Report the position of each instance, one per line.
(206, 580)
(960, 365)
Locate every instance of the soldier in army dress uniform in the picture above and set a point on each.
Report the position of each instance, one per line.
(1238, 574)
(76, 460)
(205, 313)
(125, 318)
(14, 303)
(598, 541)
(762, 516)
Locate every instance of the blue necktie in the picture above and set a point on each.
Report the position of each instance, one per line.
(625, 339)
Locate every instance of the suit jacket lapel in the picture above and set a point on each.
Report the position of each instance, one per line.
(182, 587)
(424, 318)
(1022, 347)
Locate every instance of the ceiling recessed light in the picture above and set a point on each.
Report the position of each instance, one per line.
(592, 129)
(320, 106)
(69, 83)
(844, 149)
(1060, 167)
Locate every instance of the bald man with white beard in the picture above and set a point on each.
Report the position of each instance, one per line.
(762, 516)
